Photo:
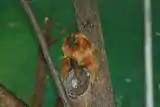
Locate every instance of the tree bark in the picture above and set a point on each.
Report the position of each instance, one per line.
(9, 99)
(88, 21)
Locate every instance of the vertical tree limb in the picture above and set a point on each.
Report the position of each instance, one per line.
(41, 68)
(88, 21)
(41, 65)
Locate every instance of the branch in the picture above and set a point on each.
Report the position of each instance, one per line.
(88, 21)
(47, 56)
(8, 99)
(40, 72)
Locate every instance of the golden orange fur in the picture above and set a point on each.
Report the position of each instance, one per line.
(82, 51)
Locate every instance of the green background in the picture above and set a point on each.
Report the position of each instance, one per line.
(122, 24)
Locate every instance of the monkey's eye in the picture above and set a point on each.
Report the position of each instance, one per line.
(71, 41)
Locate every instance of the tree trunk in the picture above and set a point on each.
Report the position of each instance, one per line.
(88, 22)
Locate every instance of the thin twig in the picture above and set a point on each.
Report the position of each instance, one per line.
(40, 72)
(47, 56)
(58, 102)
(39, 82)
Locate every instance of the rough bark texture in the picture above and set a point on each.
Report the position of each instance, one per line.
(88, 21)
(8, 99)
